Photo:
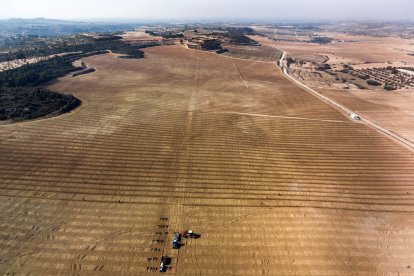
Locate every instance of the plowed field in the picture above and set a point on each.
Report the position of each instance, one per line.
(275, 181)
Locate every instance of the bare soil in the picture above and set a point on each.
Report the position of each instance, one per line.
(276, 181)
(392, 110)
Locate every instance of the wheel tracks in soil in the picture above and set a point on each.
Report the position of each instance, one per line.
(176, 209)
(34, 234)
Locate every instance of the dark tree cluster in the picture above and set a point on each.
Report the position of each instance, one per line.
(238, 36)
(241, 30)
(147, 45)
(325, 67)
(21, 98)
(222, 51)
(389, 87)
(108, 37)
(374, 82)
(25, 103)
(211, 44)
(241, 39)
(100, 44)
(290, 61)
(321, 40)
(165, 34)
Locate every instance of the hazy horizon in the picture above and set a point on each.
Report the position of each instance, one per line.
(302, 10)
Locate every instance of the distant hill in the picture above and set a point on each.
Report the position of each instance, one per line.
(35, 21)
(54, 27)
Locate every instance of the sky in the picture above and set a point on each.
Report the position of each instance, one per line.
(210, 9)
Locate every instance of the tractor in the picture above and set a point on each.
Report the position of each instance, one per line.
(176, 240)
(165, 261)
(191, 235)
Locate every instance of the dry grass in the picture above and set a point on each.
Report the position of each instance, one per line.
(255, 53)
(303, 190)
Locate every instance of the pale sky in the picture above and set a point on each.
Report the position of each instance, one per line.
(210, 9)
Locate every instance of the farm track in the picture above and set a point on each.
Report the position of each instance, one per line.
(84, 192)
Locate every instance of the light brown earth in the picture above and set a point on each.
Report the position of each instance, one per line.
(276, 181)
(392, 110)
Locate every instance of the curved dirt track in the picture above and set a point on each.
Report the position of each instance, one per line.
(275, 180)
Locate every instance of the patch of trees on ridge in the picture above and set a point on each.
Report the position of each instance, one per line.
(211, 44)
(37, 74)
(242, 30)
(165, 34)
(321, 40)
(238, 36)
(111, 42)
(243, 40)
(21, 96)
(373, 82)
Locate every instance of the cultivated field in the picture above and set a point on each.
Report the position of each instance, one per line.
(276, 181)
